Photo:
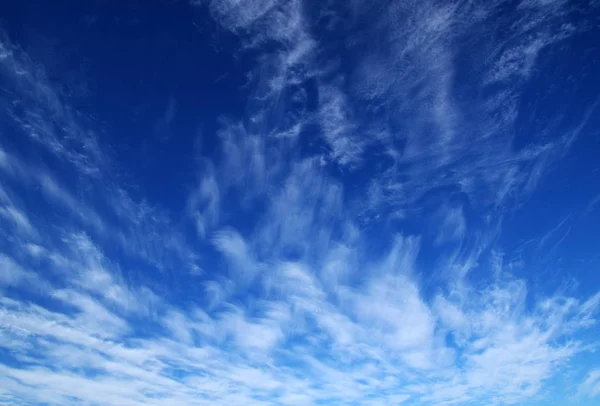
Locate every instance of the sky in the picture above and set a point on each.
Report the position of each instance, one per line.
(292, 202)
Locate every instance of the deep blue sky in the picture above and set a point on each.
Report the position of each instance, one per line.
(266, 202)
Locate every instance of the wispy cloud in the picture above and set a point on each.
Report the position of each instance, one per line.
(15, 216)
(42, 114)
(37, 107)
(204, 203)
(346, 225)
(450, 134)
(381, 333)
(591, 385)
(338, 129)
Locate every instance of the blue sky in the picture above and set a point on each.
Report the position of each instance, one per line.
(283, 202)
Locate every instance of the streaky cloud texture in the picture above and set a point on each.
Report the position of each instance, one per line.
(289, 202)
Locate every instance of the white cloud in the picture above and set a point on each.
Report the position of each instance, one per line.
(53, 127)
(18, 218)
(237, 15)
(40, 178)
(591, 385)
(92, 315)
(451, 227)
(506, 351)
(260, 335)
(233, 246)
(44, 111)
(11, 273)
(338, 130)
(296, 212)
(203, 203)
(427, 69)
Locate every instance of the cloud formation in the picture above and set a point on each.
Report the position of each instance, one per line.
(338, 244)
(297, 342)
